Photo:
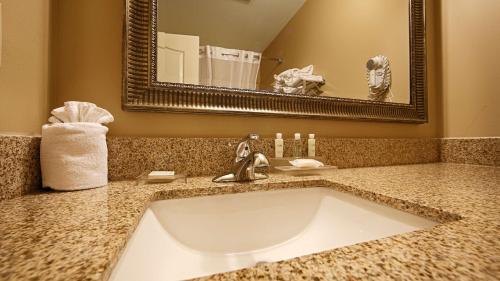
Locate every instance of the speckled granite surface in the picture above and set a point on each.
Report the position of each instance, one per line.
(479, 151)
(208, 156)
(79, 235)
(129, 157)
(19, 165)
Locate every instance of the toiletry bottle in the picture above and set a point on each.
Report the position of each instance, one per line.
(297, 146)
(278, 146)
(311, 146)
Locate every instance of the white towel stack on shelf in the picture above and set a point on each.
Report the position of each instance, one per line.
(299, 81)
(73, 151)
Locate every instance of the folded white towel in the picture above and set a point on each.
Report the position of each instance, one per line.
(75, 111)
(306, 88)
(312, 78)
(299, 81)
(306, 163)
(293, 77)
(74, 156)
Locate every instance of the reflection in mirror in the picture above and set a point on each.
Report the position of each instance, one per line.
(354, 49)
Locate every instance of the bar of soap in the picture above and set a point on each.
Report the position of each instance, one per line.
(161, 175)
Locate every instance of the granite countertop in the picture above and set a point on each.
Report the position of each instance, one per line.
(80, 235)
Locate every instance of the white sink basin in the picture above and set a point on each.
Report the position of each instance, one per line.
(194, 237)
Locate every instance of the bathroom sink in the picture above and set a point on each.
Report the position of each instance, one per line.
(194, 237)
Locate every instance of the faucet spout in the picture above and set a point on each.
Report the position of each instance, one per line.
(245, 163)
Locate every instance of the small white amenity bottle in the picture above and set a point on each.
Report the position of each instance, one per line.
(297, 146)
(311, 146)
(278, 146)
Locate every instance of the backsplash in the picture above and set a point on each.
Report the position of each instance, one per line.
(19, 165)
(479, 151)
(131, 156)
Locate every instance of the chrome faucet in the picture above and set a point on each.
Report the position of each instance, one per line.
(245, 163)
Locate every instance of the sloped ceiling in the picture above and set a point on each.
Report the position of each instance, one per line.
(237, 24)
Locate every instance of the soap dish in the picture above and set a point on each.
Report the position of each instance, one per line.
(285, 161)
(155, 177)
(301, 172)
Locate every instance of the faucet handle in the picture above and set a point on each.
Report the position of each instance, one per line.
(252, 137)
(244, 149)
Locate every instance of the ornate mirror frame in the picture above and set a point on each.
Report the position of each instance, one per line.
(142, 91)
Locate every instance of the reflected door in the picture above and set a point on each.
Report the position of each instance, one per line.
(178, 58)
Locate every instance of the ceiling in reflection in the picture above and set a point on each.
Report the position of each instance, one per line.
(260, 20)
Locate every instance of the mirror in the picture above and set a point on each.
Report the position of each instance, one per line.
(354, 49)
(324, 59)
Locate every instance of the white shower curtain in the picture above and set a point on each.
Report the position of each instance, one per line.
(230, 68)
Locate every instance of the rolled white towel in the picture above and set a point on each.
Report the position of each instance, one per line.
(54, 120)
(101, 116)
(84, 109)
(60, 114)
(74, 156)
(75, 111)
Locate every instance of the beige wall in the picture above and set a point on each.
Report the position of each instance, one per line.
(338, 37)
(87, 40)
(471, 70)
(25, 64)
(86, 37)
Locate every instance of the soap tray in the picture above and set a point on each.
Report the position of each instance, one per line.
(282, 166)
(301, 172)
(144, 179)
